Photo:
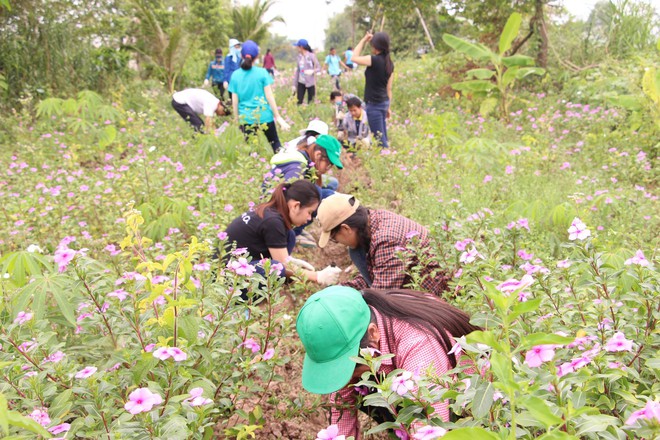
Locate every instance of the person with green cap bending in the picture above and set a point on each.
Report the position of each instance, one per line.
(335, 323)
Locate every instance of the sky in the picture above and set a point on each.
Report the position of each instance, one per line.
(309, 18)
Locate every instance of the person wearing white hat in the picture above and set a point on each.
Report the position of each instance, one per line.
(315, 128)
(232, 61)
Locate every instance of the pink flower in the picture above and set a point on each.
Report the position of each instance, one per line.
(330, 433)
(58, 429)
(563, 264)
(650, 412)
(429, 433)
(401, 434)
(469, 256)
(618, 343)
(251, 344)
(142, 400)
(196, 398)
(149, 348)
(22, 318)
(639, 259)
(228, 208)
(164, 353)
(55, 357)
(85, 372)
(63, 257)
(40, 415)
(202, 266)
(488, 178)
(578, 230)
(539, 354)
(241, 267)
(268, 354)
(403, 383)
(120, 294)
(513, 285)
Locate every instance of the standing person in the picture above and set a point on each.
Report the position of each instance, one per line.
(378, 82)
(348, 55)
(337, 322)
(269, 63)
(304, 79)
(190, 103)
(332, 63)
(252, 98)
(232, 61)
(374, 238)
(216, 73)
(267, 231)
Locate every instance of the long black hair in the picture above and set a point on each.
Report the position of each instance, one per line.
(381, 42)
(246, 64)
(358, 221)
(424, 312)
(302, 191)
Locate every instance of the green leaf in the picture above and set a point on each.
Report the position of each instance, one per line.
(474, 50)
(65, 305)
(524, 307)
(558, 435)
(4, 420)
(501, 367)
(470, 434)
(510, 32)
(484, 337)
(541, 411)
(483, 400)
(383, 427)
(526, 71)
(518, 60)
(481, 73)
(596, 423)
(16, 419)
(628, 102)
(474, 86)
(653, 363)
(108, 135)
(535, 339)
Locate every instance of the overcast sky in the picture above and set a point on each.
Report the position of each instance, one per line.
(309, 18)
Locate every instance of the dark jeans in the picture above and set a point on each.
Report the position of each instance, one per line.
(359, 259)
(189, 115)
(311, 92)
(377, 114)
(220, 89)
(271, 134)
(336, 79)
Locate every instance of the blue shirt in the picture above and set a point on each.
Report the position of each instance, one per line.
(230, 67)
(216, 71)
(349, 56)
(249, 85)
(333, 64)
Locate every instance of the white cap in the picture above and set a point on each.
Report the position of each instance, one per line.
(233, 42)
(317, 126)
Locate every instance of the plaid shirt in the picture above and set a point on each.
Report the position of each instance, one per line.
(413, 349)
(391, 233)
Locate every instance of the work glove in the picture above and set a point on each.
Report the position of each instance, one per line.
(206, 83)
(283, 124)
(328, 276)
(302, 264)
(226, 85)
(308, 71)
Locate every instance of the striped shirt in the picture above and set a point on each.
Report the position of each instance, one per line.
(413, 349)
(390, 234)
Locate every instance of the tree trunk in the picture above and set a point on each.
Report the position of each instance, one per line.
(539, 24)
(426, 30)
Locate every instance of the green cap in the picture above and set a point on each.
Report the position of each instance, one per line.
(330, 325)
(332, 147)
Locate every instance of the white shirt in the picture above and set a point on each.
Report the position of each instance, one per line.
(200, 101)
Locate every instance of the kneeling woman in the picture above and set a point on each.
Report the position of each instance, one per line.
(267, 231)
(335, 323)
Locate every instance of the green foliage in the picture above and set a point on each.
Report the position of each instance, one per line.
(249, 20)
(10, 418)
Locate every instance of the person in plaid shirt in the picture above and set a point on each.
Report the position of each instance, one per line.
(335, 323)
(374, 238)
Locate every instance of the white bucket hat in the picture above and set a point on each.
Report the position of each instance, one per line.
(317, 126)
(233, 42)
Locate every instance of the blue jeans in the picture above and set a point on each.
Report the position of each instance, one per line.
(376, 115)
(359, 259)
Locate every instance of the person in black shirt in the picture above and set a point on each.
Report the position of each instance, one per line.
(378, 82)
(267, 232)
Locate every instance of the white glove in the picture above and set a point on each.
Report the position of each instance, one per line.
(282, 123)
(226, 85)
(302, 264)
(308, 71)
(328, 276)
(206, 83)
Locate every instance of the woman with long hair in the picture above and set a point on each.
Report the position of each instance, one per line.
(267, 231)
(378, 82)
(304, 79)
(374, 237)
(252, 98)
(335, 323)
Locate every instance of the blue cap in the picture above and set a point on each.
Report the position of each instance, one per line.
(250, 48)
(301, 43)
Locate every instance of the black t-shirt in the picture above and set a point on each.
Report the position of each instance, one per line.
(375, 86)
(258, 234)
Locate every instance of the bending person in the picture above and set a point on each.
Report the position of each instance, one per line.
(267, 232)
(191, 103)
(252, 98)
(335, 323)
(374, 237)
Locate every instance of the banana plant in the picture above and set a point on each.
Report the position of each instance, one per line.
(501, 72)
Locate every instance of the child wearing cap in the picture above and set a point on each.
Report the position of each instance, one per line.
(216, 73)
(304, 79)
(337, 322)
(253, 100)
(374, 237)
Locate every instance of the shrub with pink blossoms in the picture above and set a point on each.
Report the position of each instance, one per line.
(142, 400)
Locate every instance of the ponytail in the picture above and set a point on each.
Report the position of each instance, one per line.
(246, 64)
(302, 191)
(381, 42)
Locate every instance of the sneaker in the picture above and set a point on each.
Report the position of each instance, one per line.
(306, 240)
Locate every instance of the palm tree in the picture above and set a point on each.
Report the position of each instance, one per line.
(249, 23)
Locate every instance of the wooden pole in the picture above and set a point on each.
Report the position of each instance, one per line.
(426, 30)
